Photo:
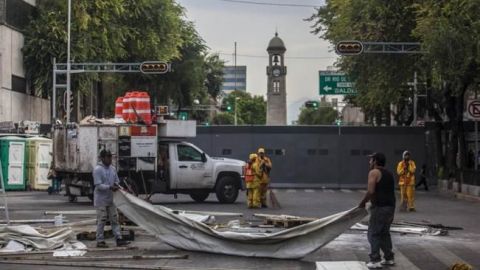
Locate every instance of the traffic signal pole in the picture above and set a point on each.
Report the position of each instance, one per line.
(69, 92)
(149, 67)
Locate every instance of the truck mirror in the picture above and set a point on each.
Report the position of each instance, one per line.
(204, 158)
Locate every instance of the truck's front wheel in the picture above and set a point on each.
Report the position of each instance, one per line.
(227, 190)
(199, 196)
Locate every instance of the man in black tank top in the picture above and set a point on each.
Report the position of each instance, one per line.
(381, 193)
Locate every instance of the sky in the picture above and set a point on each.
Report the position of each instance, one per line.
(222, 23)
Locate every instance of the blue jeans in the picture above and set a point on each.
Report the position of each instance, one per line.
(381, 219)
(107, 213)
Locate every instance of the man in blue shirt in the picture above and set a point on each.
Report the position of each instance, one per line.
(106, 182)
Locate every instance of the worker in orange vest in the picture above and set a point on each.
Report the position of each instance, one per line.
(252, 182)
(406, 173)
(266, 166)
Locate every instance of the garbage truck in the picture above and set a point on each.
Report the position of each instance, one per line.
(149, 159)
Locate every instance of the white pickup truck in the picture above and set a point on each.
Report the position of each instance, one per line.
(189, 170)
(147, 162)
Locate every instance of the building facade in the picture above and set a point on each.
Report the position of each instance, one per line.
(276, 87)
(16, 100)
(234, 78)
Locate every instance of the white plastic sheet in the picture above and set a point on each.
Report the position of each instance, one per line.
(184, 233)
(37, 240)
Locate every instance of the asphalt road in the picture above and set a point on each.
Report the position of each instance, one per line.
(412, 251)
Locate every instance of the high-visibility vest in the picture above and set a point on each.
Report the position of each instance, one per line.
(248, 172)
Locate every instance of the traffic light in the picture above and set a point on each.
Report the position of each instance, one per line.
(226, 107)
(183, 115)
(154, 67)
(311, 104)
(338, 122)
(68, 101)
(352, 47)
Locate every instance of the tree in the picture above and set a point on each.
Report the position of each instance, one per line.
(101, 31)
(251, 110)
(449, 31)
(323, 115)
(214, 74)
(381, 80)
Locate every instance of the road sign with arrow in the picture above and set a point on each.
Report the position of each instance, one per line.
(334, 83)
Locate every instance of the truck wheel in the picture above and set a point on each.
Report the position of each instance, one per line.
(199, 196)
(227, 190)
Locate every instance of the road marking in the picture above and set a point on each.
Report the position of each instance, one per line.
(309, 190)
(346, 190)
(328, 190)
(444, 255)
(362, 191)
(291, 190)
(274, 190)
(402, 260)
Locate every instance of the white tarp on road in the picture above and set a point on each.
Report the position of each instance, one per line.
(183, 233)
(34, 239)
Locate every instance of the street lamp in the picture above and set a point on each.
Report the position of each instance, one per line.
(235, 121)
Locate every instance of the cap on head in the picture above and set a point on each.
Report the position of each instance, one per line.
(379, 158)
(261, 150)
(252, 156)
(105, 153)
(405, 153)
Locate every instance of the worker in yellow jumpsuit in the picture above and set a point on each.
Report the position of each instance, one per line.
(266, 167)
(406, 172)
(252, 182)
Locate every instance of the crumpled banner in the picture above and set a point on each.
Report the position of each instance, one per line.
(187, 234)
(32, 238)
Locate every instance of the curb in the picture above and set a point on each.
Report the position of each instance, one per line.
(467, 197)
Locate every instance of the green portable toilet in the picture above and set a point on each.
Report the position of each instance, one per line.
(38, 159)
(12, 157)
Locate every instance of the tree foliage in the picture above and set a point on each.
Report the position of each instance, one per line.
(323, 115)
(379, 79)
(449, 31)
(251, 110)
(123, 31)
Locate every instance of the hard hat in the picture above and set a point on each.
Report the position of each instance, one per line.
(406, 152)
(261, 150)
(252, 156)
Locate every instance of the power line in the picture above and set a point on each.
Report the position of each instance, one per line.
(268, 4)
(290, 57)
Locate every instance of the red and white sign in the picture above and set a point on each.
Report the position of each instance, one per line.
(473, 109)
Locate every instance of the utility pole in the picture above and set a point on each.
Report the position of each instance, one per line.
(235, 67)
(69, 92)
(235, 113)
(415, 98)
(476, 137)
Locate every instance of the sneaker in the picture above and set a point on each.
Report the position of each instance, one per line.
(374, 265)
(412, 210)
(102, 244)
(122, 243)
(387, 262)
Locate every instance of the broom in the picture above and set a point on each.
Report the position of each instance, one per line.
(274, 203)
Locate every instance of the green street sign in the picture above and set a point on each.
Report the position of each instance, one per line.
(333, 83)
(183, 115)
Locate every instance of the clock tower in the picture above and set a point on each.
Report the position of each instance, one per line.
(276, 90)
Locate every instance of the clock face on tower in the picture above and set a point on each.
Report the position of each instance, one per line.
(276, 72)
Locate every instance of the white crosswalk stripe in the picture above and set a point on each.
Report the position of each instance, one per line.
(291, 190)
(329, 190)
(346, 190)
(309, 190)
(403, 261)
